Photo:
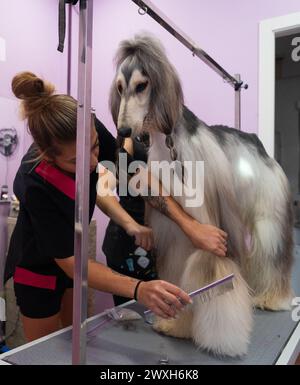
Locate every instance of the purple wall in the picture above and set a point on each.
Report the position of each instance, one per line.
(227, 30)
(30, 30)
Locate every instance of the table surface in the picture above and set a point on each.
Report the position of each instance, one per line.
(135, 343)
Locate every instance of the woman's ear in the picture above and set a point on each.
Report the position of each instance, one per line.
(47, 158)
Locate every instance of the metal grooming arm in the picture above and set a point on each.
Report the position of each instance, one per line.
(83, 153)
(146, 6)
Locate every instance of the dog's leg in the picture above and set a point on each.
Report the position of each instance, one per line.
(269, 265)
(268, 268)
(221, 325)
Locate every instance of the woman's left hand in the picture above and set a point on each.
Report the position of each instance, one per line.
(143, 235)
(207, 237)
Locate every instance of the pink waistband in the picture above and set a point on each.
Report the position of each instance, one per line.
(27, 277)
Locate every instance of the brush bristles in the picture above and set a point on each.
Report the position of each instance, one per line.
(206, 296)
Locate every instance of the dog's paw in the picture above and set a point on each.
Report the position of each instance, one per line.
(164, 326)
(274, 304)
(172, 327)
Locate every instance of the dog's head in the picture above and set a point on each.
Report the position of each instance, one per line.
(146, 93)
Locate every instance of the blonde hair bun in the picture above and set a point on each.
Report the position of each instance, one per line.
(27, 85)
(51, 118)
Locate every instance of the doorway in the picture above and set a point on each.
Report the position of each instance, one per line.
(287, 113)
(279, 96)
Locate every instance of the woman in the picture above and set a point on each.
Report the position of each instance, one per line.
(40, 256)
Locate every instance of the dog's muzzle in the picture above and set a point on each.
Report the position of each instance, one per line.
(124, 132)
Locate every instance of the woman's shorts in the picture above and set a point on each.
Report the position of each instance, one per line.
(39, 295)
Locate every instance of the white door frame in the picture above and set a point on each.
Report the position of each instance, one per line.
(269, 29)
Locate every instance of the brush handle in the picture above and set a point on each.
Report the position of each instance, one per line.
(212, 285)
(205, 288)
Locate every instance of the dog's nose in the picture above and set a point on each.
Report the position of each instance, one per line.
(124, 132)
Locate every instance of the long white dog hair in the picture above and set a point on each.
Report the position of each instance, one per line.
(245, 193)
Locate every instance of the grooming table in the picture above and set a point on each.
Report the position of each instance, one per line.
(275, 339)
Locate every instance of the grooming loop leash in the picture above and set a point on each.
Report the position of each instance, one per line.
(171, 147)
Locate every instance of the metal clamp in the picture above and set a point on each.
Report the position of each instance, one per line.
(143, 10)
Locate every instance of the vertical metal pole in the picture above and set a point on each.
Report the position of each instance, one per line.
(83, 152)
(237, 107)
(69, 60)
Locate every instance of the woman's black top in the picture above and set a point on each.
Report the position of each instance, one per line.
(45, 224)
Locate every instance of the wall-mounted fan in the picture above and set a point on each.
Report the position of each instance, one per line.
(8, 141)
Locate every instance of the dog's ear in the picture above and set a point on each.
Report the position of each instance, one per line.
(166, 99)
(114, 102)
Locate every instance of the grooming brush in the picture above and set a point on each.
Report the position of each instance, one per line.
(214, 289)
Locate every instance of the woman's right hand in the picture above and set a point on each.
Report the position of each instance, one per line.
(163, 298)
(143, 235)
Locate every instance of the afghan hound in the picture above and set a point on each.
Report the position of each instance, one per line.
(246, 194)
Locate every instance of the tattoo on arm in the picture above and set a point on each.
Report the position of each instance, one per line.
(159, 203)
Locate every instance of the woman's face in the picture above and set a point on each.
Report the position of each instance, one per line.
(67, 158)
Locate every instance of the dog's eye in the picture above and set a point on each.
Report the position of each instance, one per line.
(141, 87)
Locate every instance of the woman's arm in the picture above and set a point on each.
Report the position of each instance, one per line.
(163, 298)
(203, 236)
(112, 208)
